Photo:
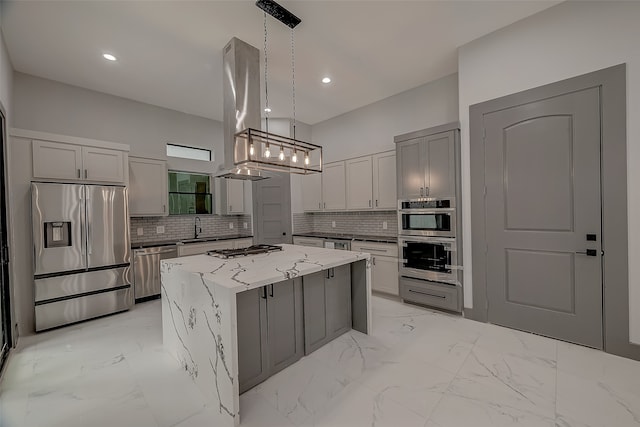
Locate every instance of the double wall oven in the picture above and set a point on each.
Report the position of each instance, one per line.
(429, 269)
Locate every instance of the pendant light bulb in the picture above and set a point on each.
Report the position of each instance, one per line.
(267, 152)
(294, 157)
(252, 151)
(281, 155)
(306, 159)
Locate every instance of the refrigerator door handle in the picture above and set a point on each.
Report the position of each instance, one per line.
(88, 221)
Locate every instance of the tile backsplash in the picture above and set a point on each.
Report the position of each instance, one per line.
(179, 227)
(368, 223)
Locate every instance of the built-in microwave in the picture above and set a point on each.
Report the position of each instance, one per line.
(427, 217)
(429, 258)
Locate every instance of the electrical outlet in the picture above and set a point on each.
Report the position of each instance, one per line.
(384, 225)
(333, 224)
(230, 226)
(140, 231)
(246, 225)
(160, 229)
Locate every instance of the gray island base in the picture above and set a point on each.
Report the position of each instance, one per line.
(232, 323)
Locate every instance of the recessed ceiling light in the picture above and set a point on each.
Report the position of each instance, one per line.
(109, 57)
(326, 80)
(267, 110)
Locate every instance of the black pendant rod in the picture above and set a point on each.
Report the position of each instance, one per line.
(279, 12)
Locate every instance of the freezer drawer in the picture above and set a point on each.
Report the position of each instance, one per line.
(434, 294)
(146, 266)
(81, 283)
(63, 312)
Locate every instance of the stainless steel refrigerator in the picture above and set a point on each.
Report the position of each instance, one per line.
(82, 252)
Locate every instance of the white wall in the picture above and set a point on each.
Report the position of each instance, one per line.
(564, 41)
(6, 79)
(371, 129)
(49, 106)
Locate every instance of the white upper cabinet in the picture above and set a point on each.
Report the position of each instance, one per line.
(147, 187)
(57, 160)
(359, 183)
(312, 192)
(103, 165)
(229, 195)
(333, 186)
(384, 180)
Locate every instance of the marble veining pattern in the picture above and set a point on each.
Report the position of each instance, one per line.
(244, 273)
(417, 368)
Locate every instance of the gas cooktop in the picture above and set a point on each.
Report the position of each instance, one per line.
(251, 250)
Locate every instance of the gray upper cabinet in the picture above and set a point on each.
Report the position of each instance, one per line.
(426, 164)
(270, 331)
(327, 306)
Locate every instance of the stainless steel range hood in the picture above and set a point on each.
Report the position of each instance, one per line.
(247, 152)
(241, 106)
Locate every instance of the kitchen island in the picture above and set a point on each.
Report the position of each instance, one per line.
(206, 319)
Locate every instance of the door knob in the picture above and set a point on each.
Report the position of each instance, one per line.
(589, 252)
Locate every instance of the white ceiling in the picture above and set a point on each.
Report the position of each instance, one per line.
(170, 52)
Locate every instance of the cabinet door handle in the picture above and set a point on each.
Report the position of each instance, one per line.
(319, 205)
(264, 292)
(329, 273)
(325, 205)
(421, 189)
(376, 203)
(428, 294)
(78, 173)
(374, 260)
(426, 191)
(333, 272)
(164, 207)
(86, 174)
(271, 293)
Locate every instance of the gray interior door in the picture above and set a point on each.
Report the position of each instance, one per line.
(272, 209)
(543, 217)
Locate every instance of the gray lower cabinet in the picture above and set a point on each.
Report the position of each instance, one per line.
(327, 306)
(270, 331)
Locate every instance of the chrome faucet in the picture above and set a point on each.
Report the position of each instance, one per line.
(197, 227)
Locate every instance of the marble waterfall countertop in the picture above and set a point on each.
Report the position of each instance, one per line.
(200, 316)
(244, 273)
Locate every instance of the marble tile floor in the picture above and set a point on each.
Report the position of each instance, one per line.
(418, 368)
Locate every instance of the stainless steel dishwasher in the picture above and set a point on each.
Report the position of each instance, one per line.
(146, 268)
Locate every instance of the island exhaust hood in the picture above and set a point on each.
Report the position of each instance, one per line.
(247, 149)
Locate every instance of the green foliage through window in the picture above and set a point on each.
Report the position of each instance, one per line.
(189, 193)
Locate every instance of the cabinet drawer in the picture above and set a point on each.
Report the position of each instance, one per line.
(308, 241)
(375, 248)
(448, 297)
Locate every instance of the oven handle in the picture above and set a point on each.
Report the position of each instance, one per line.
(449, 211)
(448, 241)
(453, 267)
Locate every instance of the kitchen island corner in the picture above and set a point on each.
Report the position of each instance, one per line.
(200, 314)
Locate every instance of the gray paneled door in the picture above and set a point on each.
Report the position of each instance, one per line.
(543, 217)
(272, 213)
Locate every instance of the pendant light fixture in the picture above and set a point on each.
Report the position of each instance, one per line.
(259, 141)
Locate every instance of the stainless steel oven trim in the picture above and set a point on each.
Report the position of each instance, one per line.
(451, 278)
(450, 211)
(452, 201)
